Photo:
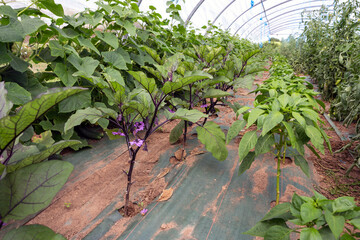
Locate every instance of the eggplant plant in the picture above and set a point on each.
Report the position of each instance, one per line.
(286, 121)
(136, 113)
(312, 218)
(28, 182)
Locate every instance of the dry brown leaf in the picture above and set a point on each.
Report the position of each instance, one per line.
(163, 173)
(196, 151)
(166, 195)
(180, 154)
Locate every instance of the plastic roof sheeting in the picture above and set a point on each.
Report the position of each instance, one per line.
(257, 20)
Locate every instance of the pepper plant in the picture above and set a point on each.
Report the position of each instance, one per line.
(286, 121)
(312, 218)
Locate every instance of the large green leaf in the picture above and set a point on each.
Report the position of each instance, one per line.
(57, 50)
(109, 38)
(12, 32)
(33, 232)
(214, 139)
(302, 163)
(17, 94)
(75, 102)
(174, 86)
(13, 126)
(115, 59)
(192, 115)
(5, 104)
(309, 212)
(246, 162)
(87, 43)
(147, 83)
(278, 233)
(279, 211)
(234, 129)
(299, 118)
(295, 143)
(247, 143)
(316, 138)
(65, 73)
(18, 64)
(176, 132)
(310, 234)
(264, 144)
(85, 66)
(271, 120)
(253, 116)
(215, 93)
(343, 204)
(261, 228)
(31, 188)
(335, 222)
(90, 114)
(50, 5)
(37, 158)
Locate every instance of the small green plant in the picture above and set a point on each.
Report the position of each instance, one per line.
(312, 217)
(67, 205)
(286, 121)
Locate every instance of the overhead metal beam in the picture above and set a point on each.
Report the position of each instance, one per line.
(277, 24)
(213, 22)
(193, 11)
(294, 10)
(268, 23)
(277, 5)
(243, 14)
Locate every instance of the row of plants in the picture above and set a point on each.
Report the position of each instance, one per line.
(328, 50)
(123, 70)
(286, 116)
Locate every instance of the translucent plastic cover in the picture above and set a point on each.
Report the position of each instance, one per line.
(257, 20)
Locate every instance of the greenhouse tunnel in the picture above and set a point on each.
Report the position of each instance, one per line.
(179, 119)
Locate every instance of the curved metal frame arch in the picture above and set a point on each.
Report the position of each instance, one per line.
(298, 9)
(285, 12)
(193, 11)
(277, 5)
(298, 21)
(243, 14)
(283, 28)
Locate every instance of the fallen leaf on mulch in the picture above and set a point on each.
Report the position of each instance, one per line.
(166, 195)
(180, 154)
(163, 173)
(196, 151)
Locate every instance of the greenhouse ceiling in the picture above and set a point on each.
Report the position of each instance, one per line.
(257, 20)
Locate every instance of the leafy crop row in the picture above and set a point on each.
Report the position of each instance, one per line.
(328, 50)
(126, 71)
